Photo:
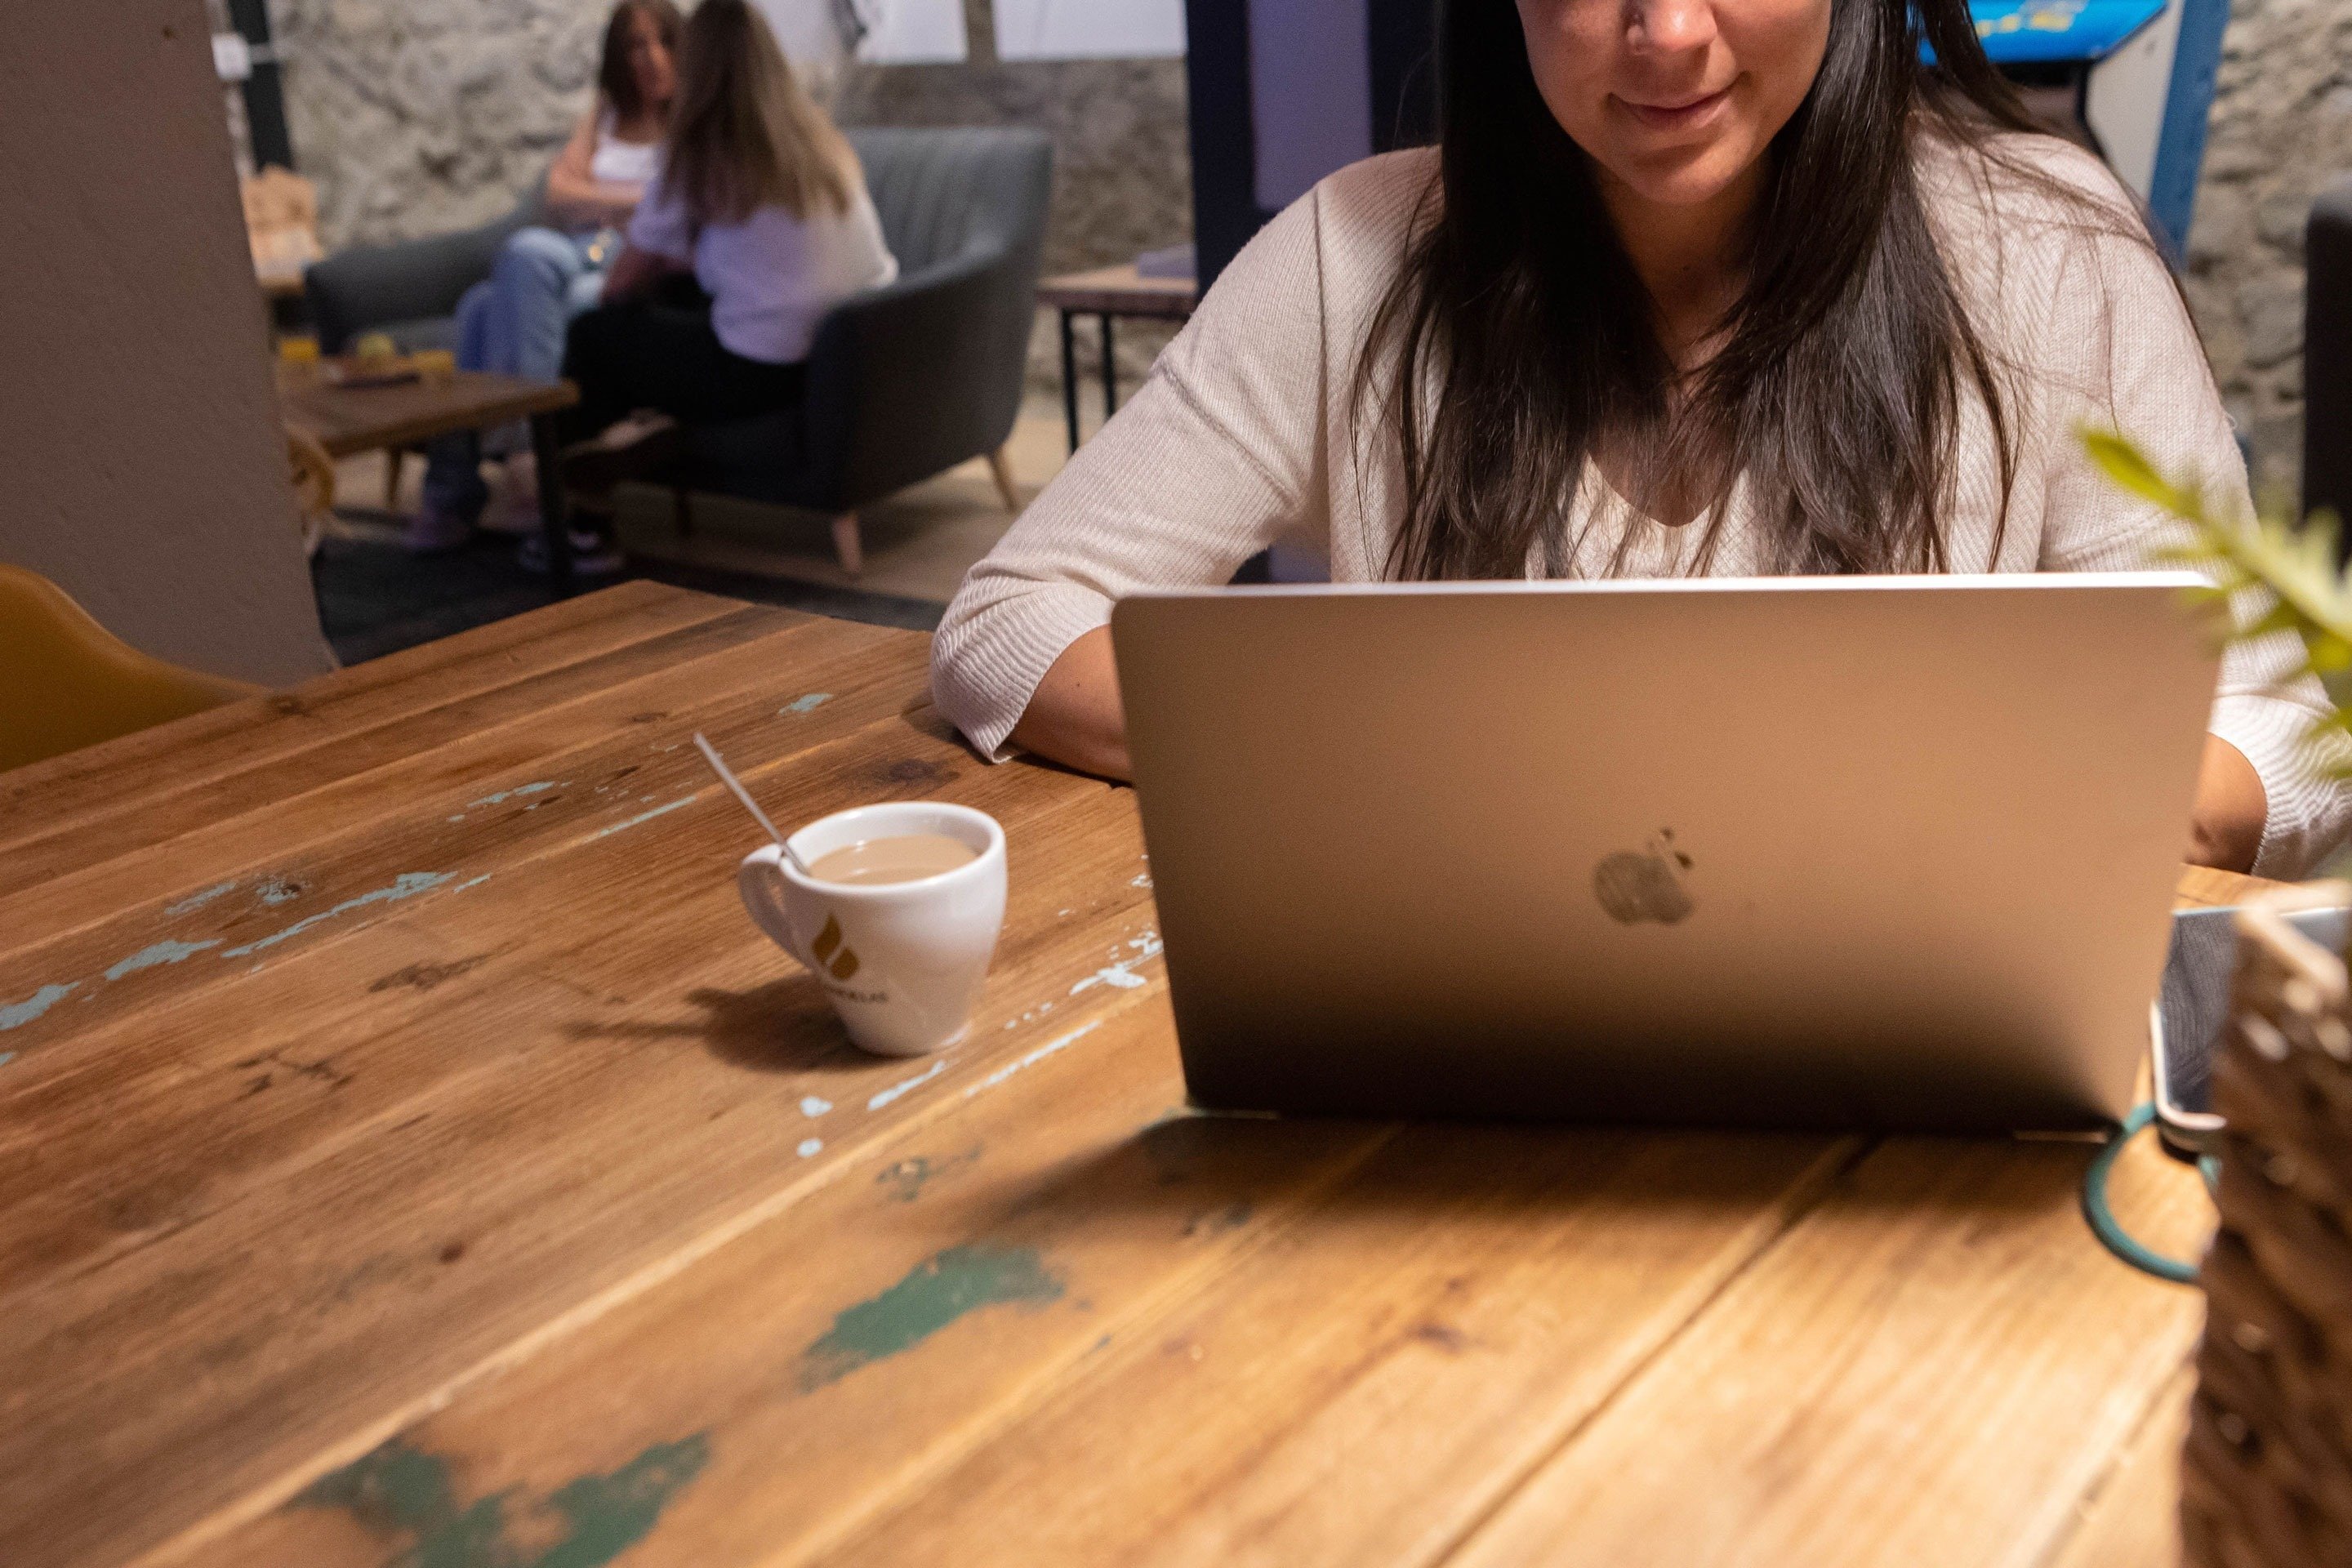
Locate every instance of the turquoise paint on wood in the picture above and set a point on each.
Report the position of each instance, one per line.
(400, 1490)
(609, 1514)
(162, 953)
(18, 1014)
(642, 817)
(194, 901)
(938, 1291)
(406, 885)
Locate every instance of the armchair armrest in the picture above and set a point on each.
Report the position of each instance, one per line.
(2327, 353)
(908, 380)
(369, 285)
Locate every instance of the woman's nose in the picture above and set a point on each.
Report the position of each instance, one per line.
(1669, 26)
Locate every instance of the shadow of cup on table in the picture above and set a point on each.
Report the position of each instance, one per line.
(786, 1025)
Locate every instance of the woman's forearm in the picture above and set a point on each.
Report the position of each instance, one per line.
(1075, 716)
(2226, 824)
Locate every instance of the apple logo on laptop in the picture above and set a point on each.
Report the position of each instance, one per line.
(1634, 886)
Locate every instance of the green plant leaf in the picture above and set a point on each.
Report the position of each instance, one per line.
(2124, 464)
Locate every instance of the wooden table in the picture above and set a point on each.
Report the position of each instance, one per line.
(1105, 293)
(391, 419)
(409, 1153)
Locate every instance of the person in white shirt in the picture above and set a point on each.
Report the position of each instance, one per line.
(756, 224)
(545, 274)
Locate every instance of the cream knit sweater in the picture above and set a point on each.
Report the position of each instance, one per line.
(1242, 437)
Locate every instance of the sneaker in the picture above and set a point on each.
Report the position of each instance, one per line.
(433, 531)
(593, 555)
(630, 449)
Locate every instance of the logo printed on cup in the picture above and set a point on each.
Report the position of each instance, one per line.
(906, 899)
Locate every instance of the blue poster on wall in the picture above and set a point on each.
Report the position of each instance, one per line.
(2016, 32)
(2144, 72)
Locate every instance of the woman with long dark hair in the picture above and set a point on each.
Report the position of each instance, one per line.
(545, 274)
(1688, 287)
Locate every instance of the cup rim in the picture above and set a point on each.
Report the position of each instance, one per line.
(881, 891)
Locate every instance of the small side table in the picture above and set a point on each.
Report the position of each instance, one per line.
(1105, 293)
(348, 419)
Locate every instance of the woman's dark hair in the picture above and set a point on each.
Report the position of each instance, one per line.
(1518, 342)
(614, 78)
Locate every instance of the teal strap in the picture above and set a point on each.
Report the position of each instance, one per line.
(2113, 1236)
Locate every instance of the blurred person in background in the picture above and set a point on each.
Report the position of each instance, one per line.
(514, 320)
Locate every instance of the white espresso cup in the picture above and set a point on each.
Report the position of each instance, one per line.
(903, 962)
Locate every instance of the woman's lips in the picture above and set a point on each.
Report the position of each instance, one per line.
(1687, 115)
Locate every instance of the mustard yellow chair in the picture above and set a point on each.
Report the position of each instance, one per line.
(70, 682)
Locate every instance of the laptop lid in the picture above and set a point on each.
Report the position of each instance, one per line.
(1830, 853)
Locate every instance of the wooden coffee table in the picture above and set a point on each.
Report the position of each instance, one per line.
(353, 419)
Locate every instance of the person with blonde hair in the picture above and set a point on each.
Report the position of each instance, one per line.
(757, 224)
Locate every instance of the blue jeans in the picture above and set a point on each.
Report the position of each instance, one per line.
(513, 322)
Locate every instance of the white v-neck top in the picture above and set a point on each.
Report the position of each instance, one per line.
(1242, 436)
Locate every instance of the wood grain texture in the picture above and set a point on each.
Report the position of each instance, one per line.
(425, 1160)
(1934, 1366)
(2133, 1519)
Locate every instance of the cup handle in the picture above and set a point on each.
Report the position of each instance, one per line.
(762, 886)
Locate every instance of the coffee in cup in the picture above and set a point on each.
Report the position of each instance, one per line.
(897, 917)
(906, 857)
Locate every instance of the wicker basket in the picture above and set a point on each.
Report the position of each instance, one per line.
(2266, 1478)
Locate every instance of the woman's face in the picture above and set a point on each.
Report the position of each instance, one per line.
(1677, 98)
(649, 62)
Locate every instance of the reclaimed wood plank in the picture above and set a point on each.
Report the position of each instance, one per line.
(812, 1415)
(1934, 1366)
(344, 1253)
(558, 748)
(1367, 1386)
(589, 1202)
(96, 1121)
(989, 1231)
(2133, 1520)
(114, 779)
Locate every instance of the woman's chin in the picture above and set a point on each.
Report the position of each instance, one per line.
(1685, 176)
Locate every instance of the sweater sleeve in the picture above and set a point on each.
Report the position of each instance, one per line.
(1216, 455)
(2138, 367)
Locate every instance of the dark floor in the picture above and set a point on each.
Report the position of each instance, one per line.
(375, 598)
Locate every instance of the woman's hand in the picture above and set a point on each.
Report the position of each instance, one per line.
(1074, 716)
(2226, 825)
(634, 272)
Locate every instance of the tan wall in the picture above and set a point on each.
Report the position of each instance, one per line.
(141, 464)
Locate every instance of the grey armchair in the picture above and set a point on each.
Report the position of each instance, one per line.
(409, 291)
(2327, 353)
(908, 380)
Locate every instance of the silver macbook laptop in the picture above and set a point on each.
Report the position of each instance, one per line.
(1845, 853)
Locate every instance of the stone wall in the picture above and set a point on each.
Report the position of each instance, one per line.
(419, 116)
(416, 116)
(2281, 129)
